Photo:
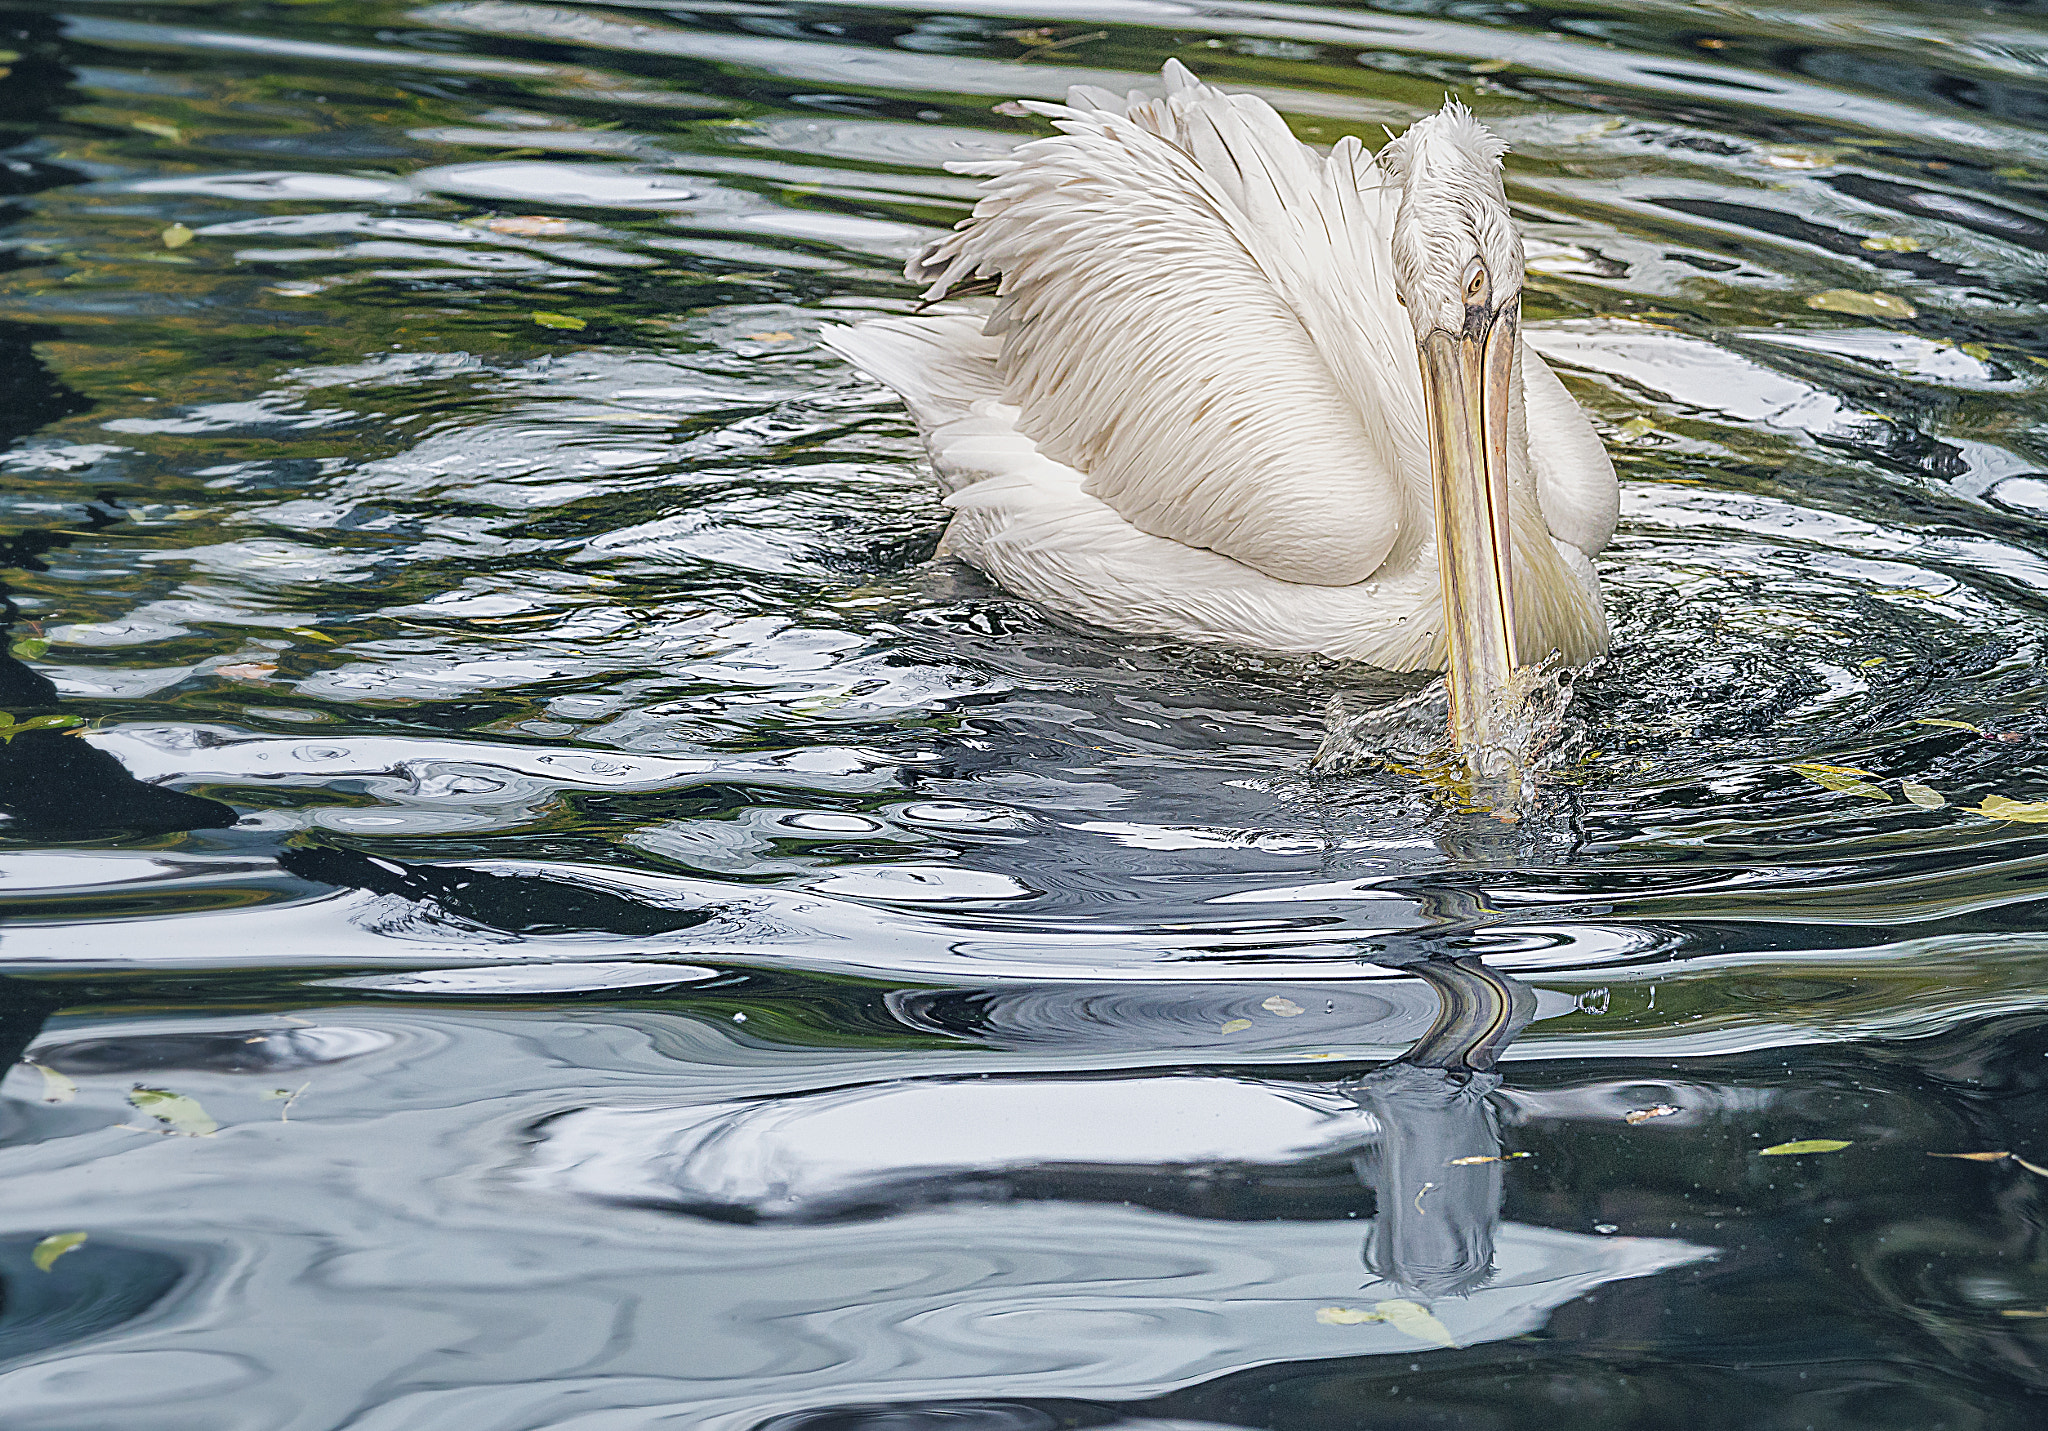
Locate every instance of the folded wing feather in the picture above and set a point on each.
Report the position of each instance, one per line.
(1193, 312)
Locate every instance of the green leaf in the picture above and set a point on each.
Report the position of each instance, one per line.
(1863, 305)
(54, 1246)
(31, 649)
(560, 320)
(176, 236)
(1892, 243)
(175, 1111)
(10, 727)
(1844, 778)
(1950, 724)
(1997, 807)
(1806, 1145)
(1925, 796)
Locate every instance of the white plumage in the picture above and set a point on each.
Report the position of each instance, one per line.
(1195, 408)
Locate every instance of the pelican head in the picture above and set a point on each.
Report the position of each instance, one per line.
(1458, 272)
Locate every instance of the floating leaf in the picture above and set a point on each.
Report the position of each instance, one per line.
(30, 649)
(10, 727)
(1488, 67)
(176, 236)
(310, 634)
(1863, 305)
(1950, 724)
(1806, 1145)
(1280, 1004)
(174, 1110)
(2035, 1168)
(530, 226)
(1787, 156)
(1236, 1026)
(1844, 778)
(777, 336)
(1644, 1115)
(1925, 796)
(560, 320)
(1488, 1158)
(1997, 807)
(246, 671)
(160, 129)
(2021, 1312)
(1870, 661)
(57, 1087)
(1415, 1319)
(1891, 243)
(1974, 1157)
(1637, 427)
(1344, 1316)
(54, 1246)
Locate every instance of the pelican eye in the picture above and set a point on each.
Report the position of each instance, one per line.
(1475, 282)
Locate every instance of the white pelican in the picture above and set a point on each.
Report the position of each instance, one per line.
(1198, 407)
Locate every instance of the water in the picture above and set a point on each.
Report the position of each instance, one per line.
(656, 950)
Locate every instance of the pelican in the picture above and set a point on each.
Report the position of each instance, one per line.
(1235, 391)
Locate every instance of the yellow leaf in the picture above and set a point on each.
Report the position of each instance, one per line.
(160, 129)
(174, 1110)
(1415, 1319)
(1806, 1145)
(1997, 807)
(1344, 1316)
(2020, 1312)
(1280, 1004)
(1863, 305)
(560, 320)
(1644, 1115)
(2035, 1168)
(310, 634)
(1236, 1026)
(54, 1246)
(1788, 156)
(1892, 243)
(1867, 663)
(776, 337)
(57, 1088)
(1925, 796)
(1477, 1158)
(176, 236)
(530, 226)
(1974, 1157)
(1950, 724)
(1842, 778)
(1488, 67)
(1637, 427)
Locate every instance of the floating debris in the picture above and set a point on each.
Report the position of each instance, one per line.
(175, 1111)
(1280, 1004)
(1862, 305)
(567, 321)
(54, 1246)
(1644, 1115)
(1806, 1145)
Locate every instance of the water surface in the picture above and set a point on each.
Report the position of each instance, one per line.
(658, 949)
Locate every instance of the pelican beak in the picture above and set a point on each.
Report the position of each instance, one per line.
(1465, 380)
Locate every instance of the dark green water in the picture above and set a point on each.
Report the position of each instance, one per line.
(656, 950)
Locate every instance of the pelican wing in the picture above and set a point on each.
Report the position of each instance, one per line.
(1197, 313)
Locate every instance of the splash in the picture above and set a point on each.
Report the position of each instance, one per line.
(1411, 736)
